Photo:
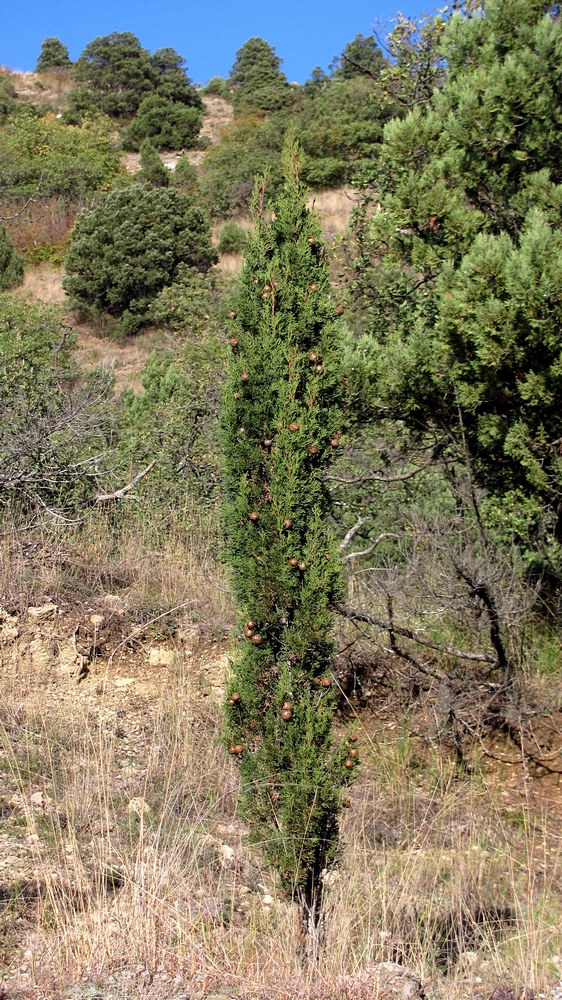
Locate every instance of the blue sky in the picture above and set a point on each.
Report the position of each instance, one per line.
(304, 33)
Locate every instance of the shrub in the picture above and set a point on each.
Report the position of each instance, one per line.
(129, 246)
(175, 422)
(218, 87)
(54, 427)
(153, 170)
(11, 264)
(168, 124)
(195, 304)
(41, 155)
(184, 177)
(7, 96)
(232, 239)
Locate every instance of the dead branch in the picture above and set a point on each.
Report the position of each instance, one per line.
(101, 497)
(370, 548)
(361, 616)
(373, 477)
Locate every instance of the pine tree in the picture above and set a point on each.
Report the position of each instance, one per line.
(282, 422)
(462, 262)
(258, 81)
(53, 55)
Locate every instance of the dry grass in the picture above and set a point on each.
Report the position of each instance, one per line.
(40, 228)
(334, 208)
(141, 883)
(152, 566)
(51, 87)
(124, 869)
(44, 284)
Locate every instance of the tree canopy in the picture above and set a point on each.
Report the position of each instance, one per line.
(462, 265)
(256, 77)
(53, 55)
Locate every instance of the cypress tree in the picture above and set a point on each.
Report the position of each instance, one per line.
(282, 422)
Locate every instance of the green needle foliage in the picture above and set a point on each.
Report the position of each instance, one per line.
(282, 422)
(53, 55)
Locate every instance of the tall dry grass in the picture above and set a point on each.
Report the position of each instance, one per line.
(144, 884)
(154, 564)
(132, 875)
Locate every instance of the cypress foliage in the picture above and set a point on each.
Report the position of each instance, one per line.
(282, 422)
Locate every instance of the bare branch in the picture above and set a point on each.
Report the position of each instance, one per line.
(374, 477)
(406, 633)
(353, 531)
(370, 548)
(125, 489)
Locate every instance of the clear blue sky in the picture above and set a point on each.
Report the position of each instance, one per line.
(304, 33)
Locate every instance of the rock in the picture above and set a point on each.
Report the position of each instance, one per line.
(40, 799)
(42, 611)
(41, 653)
(8, 627)
(123, 682)
(215, 672)
(114, 603)
(139, 806)
(399, 981)
(159, 656)
(389, 980)
(67, 658)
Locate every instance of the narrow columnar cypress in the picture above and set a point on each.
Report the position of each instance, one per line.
(282, 425)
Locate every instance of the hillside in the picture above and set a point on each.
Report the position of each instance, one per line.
(281, 520)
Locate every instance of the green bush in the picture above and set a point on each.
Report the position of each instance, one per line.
(42, 156)
(195, 304)
(152, 170)
(168, 124)
(7, 96)
(184, 177)
(129, 247)
(248, 146)
(232, 239)
(218, 87)
(174, 420)
(11, 264)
